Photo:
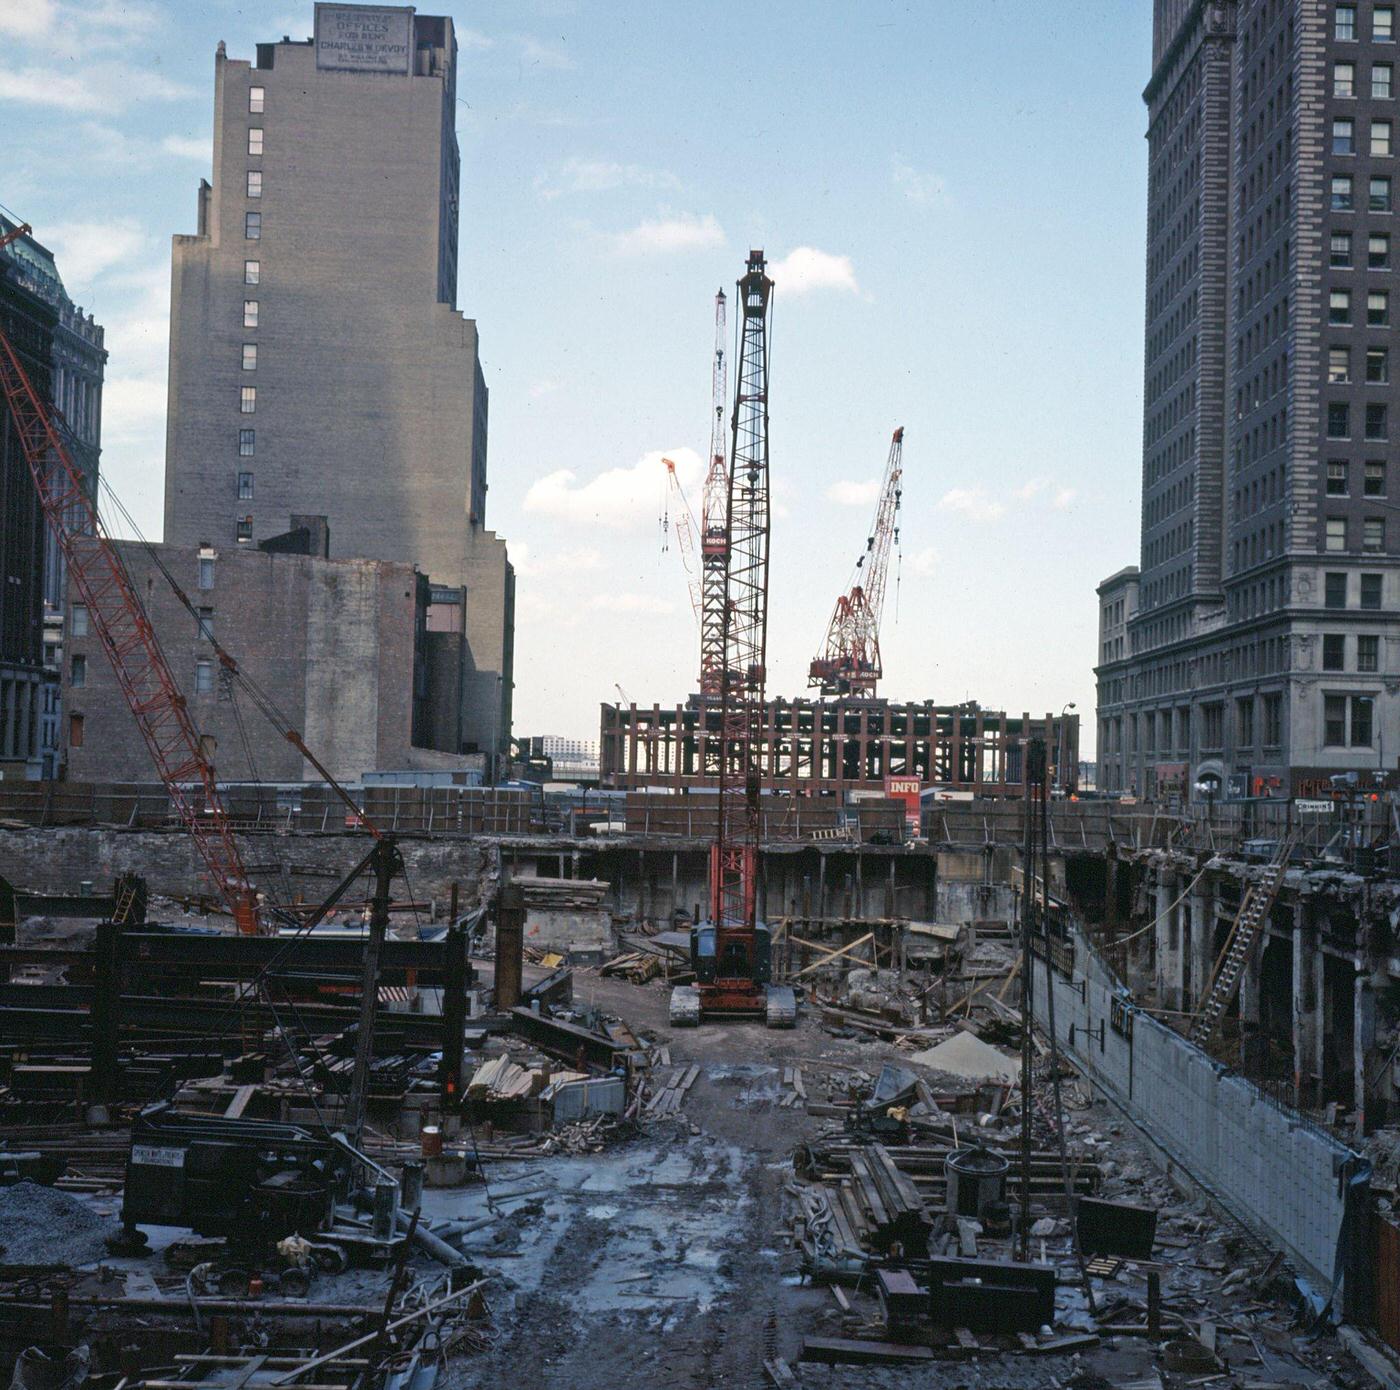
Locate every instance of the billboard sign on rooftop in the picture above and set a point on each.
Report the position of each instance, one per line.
(364, 38)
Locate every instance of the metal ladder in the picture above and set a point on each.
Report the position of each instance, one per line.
(124, 904)
(1234, 955)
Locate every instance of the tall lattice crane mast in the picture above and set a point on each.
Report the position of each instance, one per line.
(849, 662)
(714, 522)
(96, 571)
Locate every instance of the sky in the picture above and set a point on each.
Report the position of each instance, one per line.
(951, 197)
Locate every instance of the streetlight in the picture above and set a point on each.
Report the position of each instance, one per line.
(1060, 748)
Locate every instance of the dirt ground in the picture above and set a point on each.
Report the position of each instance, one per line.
(663, 1262)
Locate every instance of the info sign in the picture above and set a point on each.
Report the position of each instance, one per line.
(363, 38)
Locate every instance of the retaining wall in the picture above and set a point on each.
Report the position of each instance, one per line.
(1273, 1169)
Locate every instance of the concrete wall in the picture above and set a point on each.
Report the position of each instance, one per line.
(332, 641)
(58, 861)
(1269, 1167)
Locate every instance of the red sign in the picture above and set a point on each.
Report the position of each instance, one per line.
(909, 790)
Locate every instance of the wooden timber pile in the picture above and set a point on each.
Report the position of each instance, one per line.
(879, 1207)
(563, 894)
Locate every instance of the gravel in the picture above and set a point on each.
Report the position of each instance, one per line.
(41, 1225)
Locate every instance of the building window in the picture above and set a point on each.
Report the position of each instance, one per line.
(1338, 366)
(206, 571)
(77, 676)
(1378, 308)
(255, 175)
(1380, 81)
(75, 730)
(250, 357)
(1378, 251)
(255, 139)
(1344, 135)
(1374, 484)
(1368, 652)
(252, 272)
(245, 487)
(1336, 533)
(1273, 721)
(203, 677)
(1340, 255)
(247, 443)
(252, 225)
(256, 96)
(244, 529)
(1334, 590)
(1380, 137)
(1212, 726)
(204, 625)
(1337, 477)
(1244, 721)
(1341, 193)
(1339, 306)
(1377, 365)
(1344, 79)
(1334, 651)
(250, 313)
(1362, 707)
(1383, 24)
(1379, 200)
(1373, 533)
(80, 620)
(1376, 416)
(1371, 590)
(1334, 721)
(1338, 421)
(1346, 23)
(247, 399)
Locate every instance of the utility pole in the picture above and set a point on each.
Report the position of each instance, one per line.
(386, 862)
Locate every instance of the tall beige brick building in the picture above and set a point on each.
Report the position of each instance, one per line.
(319, 366)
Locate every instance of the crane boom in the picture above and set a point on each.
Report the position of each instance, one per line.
(714, 521)
(849, 662)
(96, 570)
(684, 526)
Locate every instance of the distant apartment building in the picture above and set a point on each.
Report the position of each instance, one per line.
(318, 364)
(1264, 654)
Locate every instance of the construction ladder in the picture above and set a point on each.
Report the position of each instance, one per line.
(1258, 898)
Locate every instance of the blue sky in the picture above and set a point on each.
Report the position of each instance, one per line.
(953, 197)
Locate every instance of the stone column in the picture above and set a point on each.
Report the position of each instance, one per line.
(1307, 1010)
(1202, 902)
(1363, 1034)
(1168, 936)
(1250, 979)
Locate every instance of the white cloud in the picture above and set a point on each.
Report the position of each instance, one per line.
(631, 603)
(619, 498)
(923, 562)
(973, 503)
(104, 87)
(85, 250)
(601, 176)
(916, 185)
(849, 494)
(198, 147)
(578, 560)
(26, 19)
(544, 386)
(539, 55)
(133, 409)
(663, 235)
(805, 269)
(1030, 489)
(472, 39)
(1063, 497)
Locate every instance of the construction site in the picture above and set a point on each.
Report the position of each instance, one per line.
(822, 1039)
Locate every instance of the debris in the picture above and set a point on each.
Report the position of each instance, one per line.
(970, 1058)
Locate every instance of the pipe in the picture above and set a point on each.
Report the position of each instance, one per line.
(433, 1245)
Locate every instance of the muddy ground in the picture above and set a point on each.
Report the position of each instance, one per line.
(664, 1262)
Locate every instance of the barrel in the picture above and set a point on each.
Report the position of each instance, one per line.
(976, 1179)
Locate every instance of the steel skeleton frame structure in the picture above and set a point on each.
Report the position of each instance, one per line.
(734, 856)
(849, 663)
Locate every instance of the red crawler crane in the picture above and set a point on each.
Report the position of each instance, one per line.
(96, 571)
(730, 953)
(849, 663)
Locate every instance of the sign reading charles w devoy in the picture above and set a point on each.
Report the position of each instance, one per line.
(363, 38)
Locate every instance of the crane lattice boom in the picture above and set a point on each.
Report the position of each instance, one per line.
(714, 522)
(682, 522)
(96, 570)
(849, 662)
(734, 857)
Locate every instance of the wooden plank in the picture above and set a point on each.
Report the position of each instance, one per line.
(846, 1351)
